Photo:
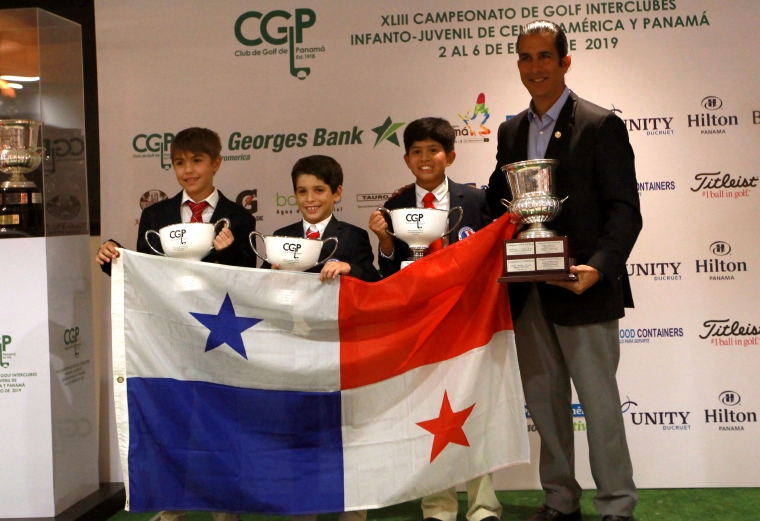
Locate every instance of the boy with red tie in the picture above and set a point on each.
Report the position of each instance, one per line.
(196, 158)
(429, 145)
(318, 185)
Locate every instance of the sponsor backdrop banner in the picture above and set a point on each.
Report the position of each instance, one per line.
(282, 80)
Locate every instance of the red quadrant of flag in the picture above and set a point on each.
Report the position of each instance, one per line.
(433, 310)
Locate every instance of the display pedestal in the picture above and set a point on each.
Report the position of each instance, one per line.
(49, 449)
(49, 432)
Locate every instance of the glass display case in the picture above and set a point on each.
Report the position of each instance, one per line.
(43, 173)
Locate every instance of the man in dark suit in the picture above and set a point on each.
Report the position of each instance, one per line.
(429, 146)
(569, 330)
(196, 158)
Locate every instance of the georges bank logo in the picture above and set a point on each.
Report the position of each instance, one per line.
(656, 126)
(468, 134)
(276, 28)
(730, 419)
(711, 122)
(718, 268)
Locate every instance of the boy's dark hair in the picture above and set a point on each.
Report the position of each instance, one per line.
(437, 129)
(324, 168)
(197, 140)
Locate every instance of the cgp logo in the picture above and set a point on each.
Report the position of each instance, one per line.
(178, 234)
(153, 145)
(293, 248)
(276, 28)
(71, 340)
(712, 103)
(5, 340)
(730, 398)
(720, 248)
(415, 218)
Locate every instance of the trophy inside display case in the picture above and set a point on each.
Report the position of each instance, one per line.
(21, 211)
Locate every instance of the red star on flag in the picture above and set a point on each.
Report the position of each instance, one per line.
(447, 428)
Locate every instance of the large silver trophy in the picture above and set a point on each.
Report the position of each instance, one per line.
(538, 253)
(20, 154)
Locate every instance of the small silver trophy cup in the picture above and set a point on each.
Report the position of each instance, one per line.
(538, 253)
(19, 153)
(21, 209)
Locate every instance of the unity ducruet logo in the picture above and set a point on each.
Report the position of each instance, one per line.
(275, 28)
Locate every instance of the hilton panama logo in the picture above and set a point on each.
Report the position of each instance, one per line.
(712, 121)
(731, 417)
(720, 268)
(278, 28)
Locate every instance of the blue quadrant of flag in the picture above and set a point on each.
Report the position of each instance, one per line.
(204, 446)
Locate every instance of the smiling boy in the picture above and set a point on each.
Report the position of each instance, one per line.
(318, 186)
(196, 157)
(429, 145)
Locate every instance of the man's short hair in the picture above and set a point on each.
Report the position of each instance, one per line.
(437, 129)
(546, 27)
(324, 168)
(198, 141)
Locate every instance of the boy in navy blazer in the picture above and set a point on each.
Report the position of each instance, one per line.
(429, 145)
(318, 185)
(195, 154)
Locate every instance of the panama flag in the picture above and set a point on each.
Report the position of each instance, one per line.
(248, 390)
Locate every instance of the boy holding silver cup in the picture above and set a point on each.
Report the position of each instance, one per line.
(196, 157)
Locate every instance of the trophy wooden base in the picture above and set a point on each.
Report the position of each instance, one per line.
(536, 260)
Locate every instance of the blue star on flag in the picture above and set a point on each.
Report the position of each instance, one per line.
(225, 327)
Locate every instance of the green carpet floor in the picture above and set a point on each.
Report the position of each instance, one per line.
(711, 504)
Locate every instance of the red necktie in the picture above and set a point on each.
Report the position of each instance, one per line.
(312, 234)
(197, 209)
(427, 202)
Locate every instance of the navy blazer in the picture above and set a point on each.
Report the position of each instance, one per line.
(353, 247)
(601, 216)
(476, 216)
(168, 212)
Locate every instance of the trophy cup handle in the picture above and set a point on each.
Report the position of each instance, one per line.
(223, 220)
(563, 200)
(384, 210)
(461, 215)
(250, 241)
(506, 203)
(332, 252)
(147, 239)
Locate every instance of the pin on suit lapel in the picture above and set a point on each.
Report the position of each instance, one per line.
(562, 129)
